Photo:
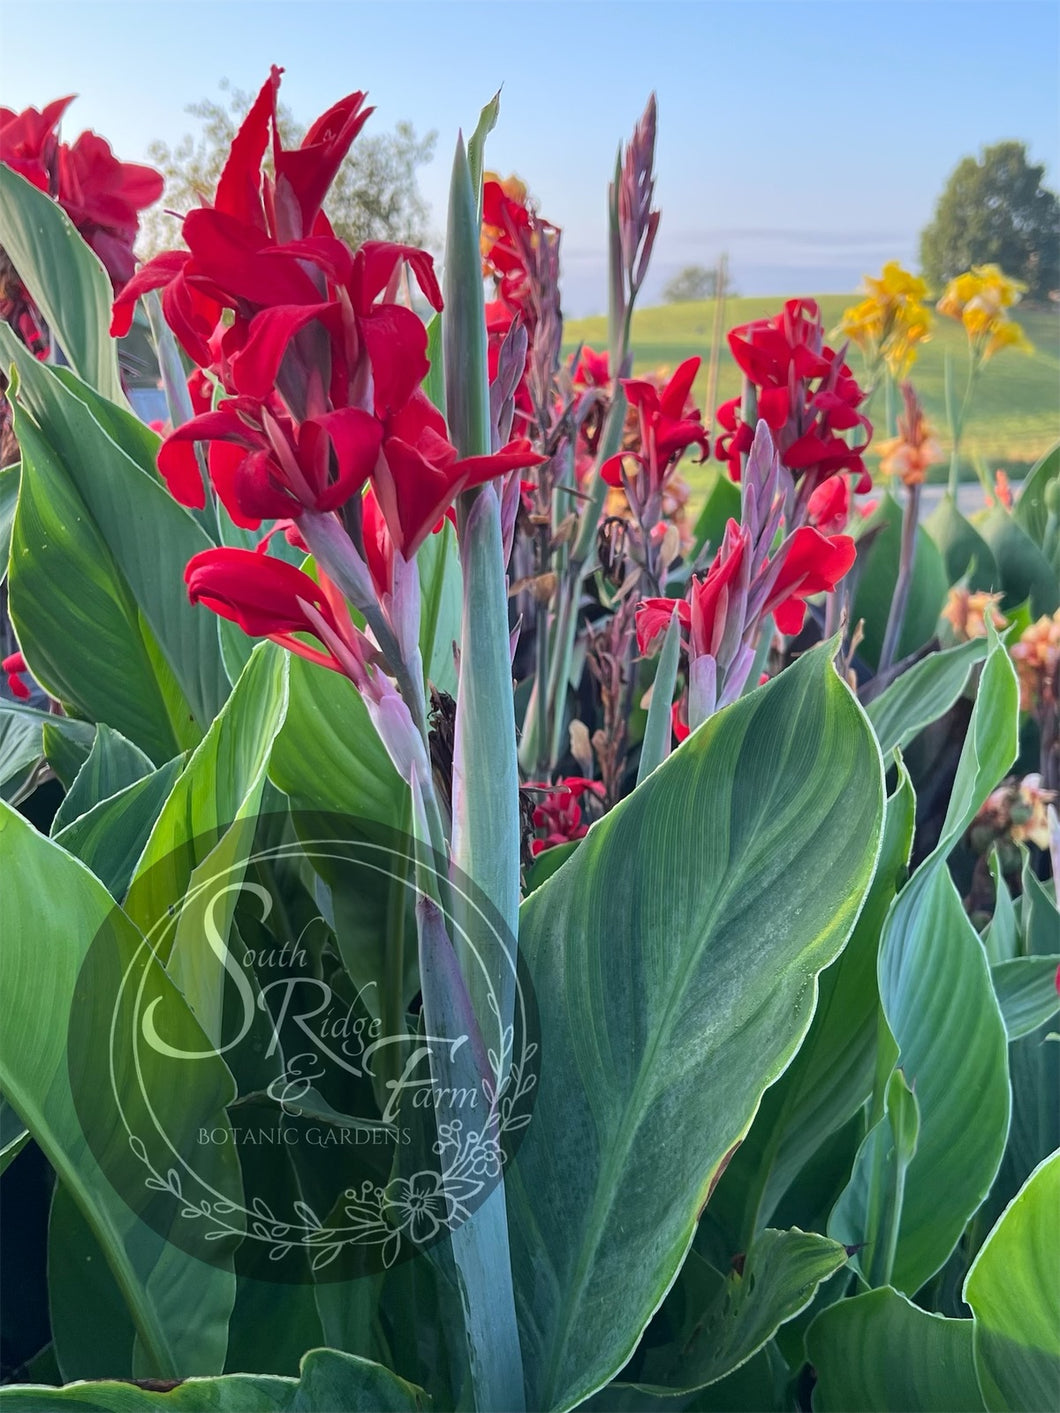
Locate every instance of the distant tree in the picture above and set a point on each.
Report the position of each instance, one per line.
(695, 282)
(995, 210)
(375, 195)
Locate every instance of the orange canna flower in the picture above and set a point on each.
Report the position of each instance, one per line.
(915, 448)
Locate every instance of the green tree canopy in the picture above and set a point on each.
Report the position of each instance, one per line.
(375, 195)
(995, 210)
(695, 282)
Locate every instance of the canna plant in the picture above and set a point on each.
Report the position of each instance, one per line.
(368, 1060)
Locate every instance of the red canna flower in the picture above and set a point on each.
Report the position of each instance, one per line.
(420, 473)
(806, 395)
(15, 667)
(270, 598)
(29, 144)
(102, 196)
(669, 425)
(810, 563)
(558, 816)
(264, 466)
(829, 506)
(593, 370)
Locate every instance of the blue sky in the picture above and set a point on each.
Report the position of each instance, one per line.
(808, 139)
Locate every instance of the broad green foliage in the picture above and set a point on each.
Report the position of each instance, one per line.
(147, 535)
(111, 836)
(879, 574)
(946, 1032)
(922, 694)
(675, 977)
(778, 1278)
(69, 284)
(963, 549)
(204, 827)
(1013, 1289)
(329, 1381)
(113, 763)
(77, 619)
(1023, 571)
(879, 1353)
(52, 906)
(327, 755)
(1032, 510)
(1026, 992)
(831, 1076)
(751, 1025)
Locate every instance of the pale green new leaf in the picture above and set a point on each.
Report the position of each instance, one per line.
(880, 1353)
(205, 829)
(1013, 1288)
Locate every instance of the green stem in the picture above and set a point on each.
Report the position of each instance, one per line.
(900, 600)
(486, 836)
(957, 425)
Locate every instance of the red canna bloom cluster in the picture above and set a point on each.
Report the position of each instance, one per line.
(102, 196)
(747, 581)
(806, 395)
(807, 563)
(669, 425)
(558, 816)
(320, 366)
(520, 251)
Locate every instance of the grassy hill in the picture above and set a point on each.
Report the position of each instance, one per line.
(1015, 416)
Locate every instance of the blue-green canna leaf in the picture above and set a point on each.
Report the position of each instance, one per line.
(65, 278)
(1026, 992)
(940, 1008)
(113, 763)
(777, 1279)
(329, 1381)
(150, 537)
(52, 906)
(674, 958)
(831, 1076)
(922, 694)
(658, 732)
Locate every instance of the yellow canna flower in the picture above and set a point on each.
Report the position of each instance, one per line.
(979, 299)
(892, 319)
